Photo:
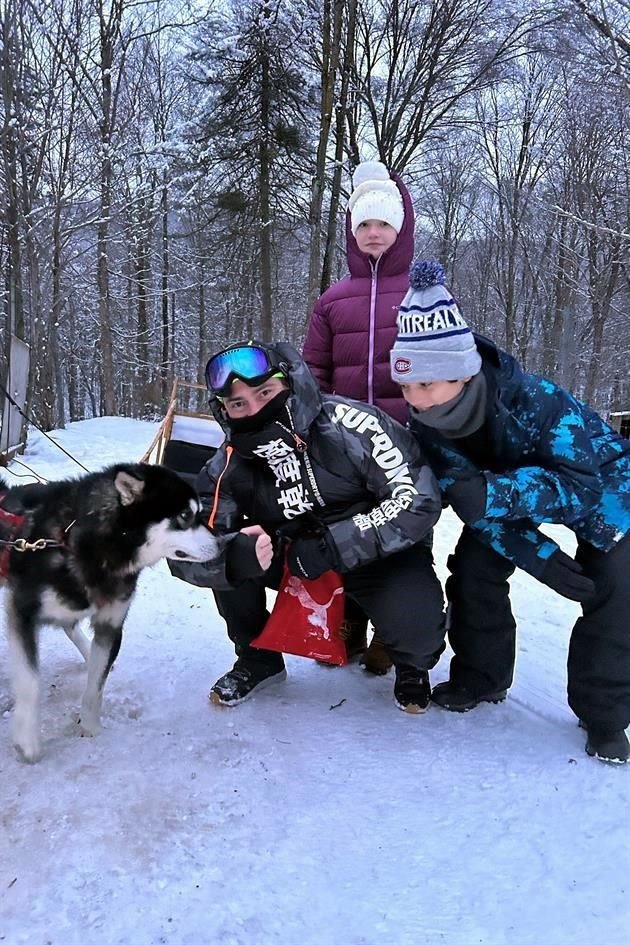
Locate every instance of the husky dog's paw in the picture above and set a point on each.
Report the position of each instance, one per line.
(90, 714)
(26, 742)
(89, 725)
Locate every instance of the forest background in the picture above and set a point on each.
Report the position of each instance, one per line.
(173, 177)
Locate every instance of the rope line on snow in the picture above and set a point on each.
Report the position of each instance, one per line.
(30, 420)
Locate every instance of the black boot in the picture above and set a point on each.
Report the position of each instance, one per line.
(242, 681)
(607, 745)
(412, 690)
(459, 699)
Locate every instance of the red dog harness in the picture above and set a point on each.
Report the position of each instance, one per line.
(10, 525)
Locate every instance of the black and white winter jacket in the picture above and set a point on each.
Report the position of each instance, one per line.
(361, 475)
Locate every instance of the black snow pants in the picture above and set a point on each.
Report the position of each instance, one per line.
(400, 594)
(482, 629)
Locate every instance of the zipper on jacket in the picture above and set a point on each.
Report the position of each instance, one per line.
(301, 447)
(372, 330)
(215, 504)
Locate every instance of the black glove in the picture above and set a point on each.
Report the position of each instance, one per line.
(468, 498)
(564, 575)
(310, 557)
(241, 560)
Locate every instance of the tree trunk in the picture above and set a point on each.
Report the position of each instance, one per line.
(264, 155)
(601, 298)
(143, 288)
(55, 318)
(340, 126)
(165, 353)
(108, 399)
(13, 274)
(331, 37)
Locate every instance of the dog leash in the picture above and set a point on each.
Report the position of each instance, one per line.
(37, 426)
(21, 544)
(11, 523)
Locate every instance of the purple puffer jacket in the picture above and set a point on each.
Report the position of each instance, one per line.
(353, 325)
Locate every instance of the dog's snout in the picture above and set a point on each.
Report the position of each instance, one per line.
(199, 551)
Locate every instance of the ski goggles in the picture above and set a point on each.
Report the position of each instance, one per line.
(251, 364)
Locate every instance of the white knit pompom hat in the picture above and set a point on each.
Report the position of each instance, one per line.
(375, 197)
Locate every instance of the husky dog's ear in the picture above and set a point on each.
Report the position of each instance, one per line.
(129, 487)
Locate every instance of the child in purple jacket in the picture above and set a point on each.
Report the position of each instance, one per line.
(353, 325)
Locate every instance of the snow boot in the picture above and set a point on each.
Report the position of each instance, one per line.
(242, 681)
(459, 699)
(607, 745)
(412, 690)
(376, 659)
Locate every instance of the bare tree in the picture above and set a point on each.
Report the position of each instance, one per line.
(329, 65)
(608, 18)
(451, 191)
(343, 109)
(418, 64)
(11, 79)
(599, 182)
(518, 132)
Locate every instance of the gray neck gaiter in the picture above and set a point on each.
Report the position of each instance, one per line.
(462, 415)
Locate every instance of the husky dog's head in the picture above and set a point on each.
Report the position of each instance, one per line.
(161, 515)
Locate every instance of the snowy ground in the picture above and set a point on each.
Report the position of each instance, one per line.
(288, 821)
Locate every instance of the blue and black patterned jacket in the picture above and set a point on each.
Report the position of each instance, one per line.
(551, 458)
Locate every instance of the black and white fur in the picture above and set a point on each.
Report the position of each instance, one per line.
(108, 526)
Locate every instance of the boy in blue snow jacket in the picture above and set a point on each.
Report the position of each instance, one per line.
(510, 451)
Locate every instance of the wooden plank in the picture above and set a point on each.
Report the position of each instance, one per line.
(155, 452)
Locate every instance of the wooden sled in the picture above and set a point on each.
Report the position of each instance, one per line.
(188, 436)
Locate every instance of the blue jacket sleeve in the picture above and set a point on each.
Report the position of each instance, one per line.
(520, 542)
(564, 484)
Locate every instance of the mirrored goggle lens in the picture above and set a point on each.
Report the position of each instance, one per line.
(247, 363)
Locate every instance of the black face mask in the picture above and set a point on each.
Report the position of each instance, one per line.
(272, 411)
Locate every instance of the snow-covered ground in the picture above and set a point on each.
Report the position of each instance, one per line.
(287, 820)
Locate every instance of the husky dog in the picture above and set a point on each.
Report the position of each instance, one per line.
(82, 544)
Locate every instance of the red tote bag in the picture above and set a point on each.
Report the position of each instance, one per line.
(306, 618)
